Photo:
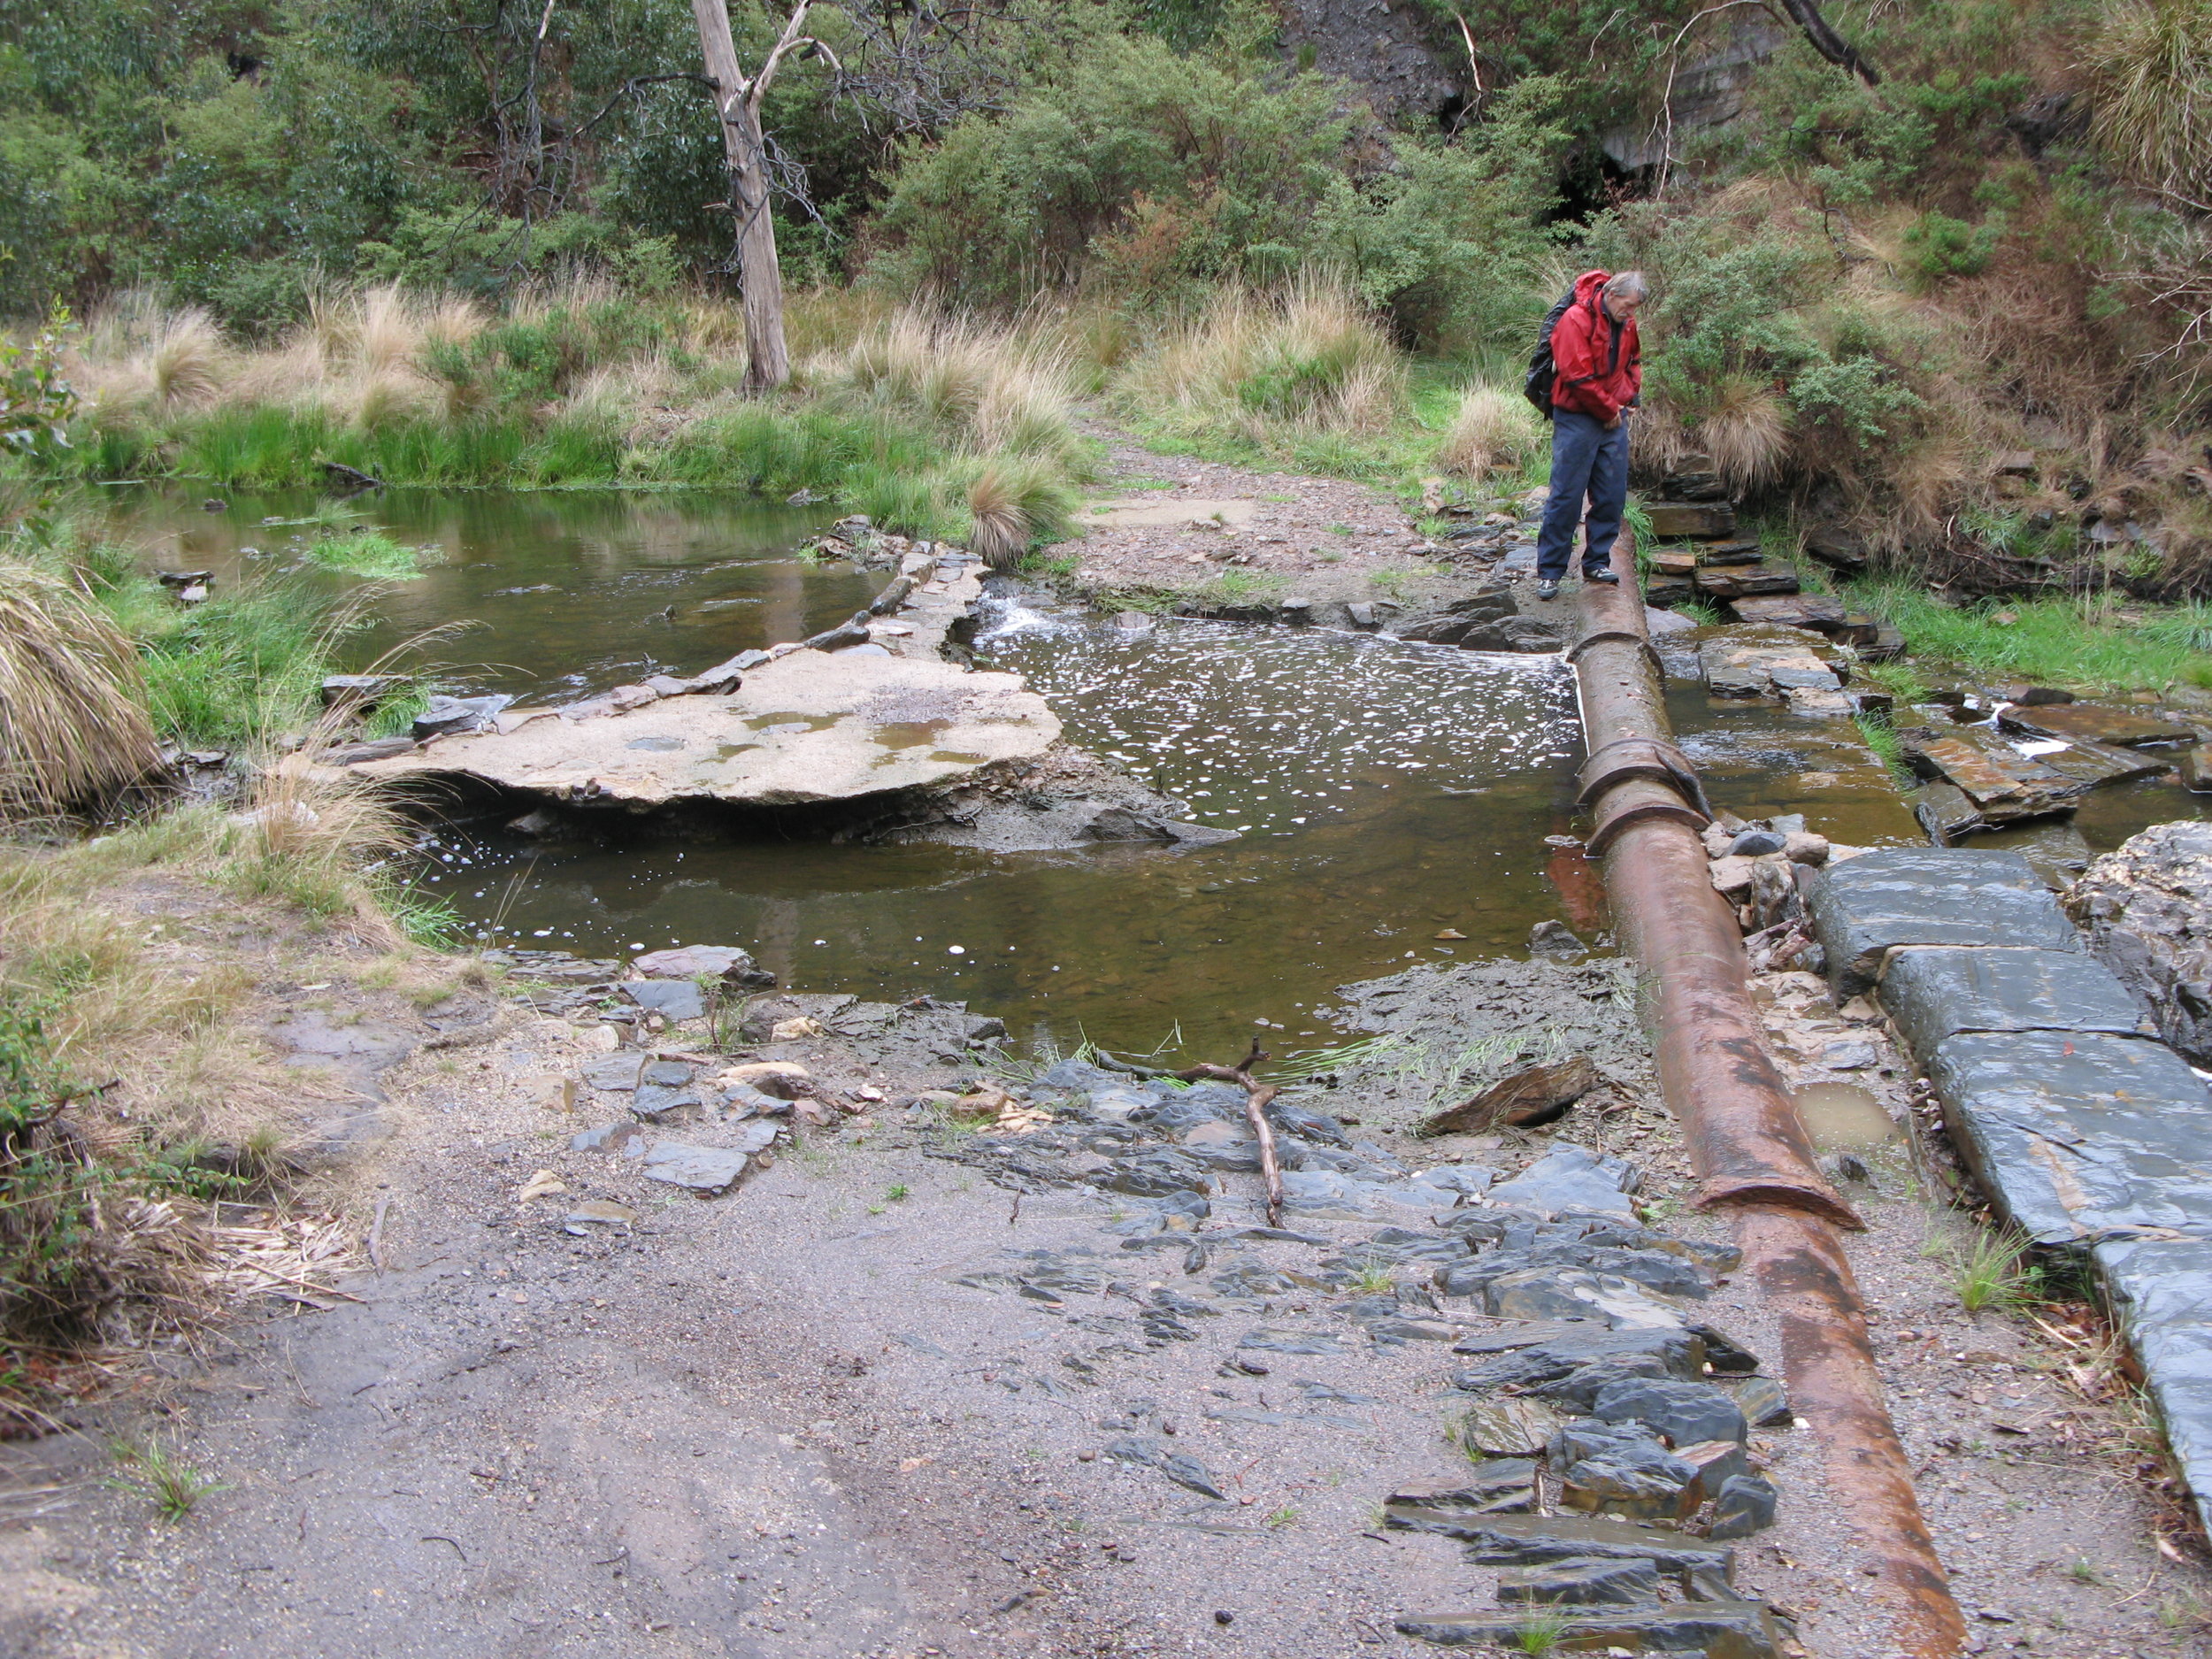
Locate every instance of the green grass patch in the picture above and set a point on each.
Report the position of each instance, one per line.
(2080, 644)
(371, 554)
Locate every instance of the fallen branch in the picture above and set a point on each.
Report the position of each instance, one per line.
(1256, 1095)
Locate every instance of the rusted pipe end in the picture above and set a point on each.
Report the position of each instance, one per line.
(1828, 1361)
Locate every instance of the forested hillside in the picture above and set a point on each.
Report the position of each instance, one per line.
(1933, 275)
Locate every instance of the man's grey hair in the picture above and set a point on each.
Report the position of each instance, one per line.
(1627, 285)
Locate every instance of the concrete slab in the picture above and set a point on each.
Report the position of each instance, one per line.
(811, 726)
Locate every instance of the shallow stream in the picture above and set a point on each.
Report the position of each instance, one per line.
(1385, 792)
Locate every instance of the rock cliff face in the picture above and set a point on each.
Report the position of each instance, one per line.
(1382, 49)
(2147, 910)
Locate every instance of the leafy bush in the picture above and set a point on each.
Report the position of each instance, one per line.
(1938, 246)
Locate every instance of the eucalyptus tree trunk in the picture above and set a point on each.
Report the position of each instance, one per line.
(745, 151)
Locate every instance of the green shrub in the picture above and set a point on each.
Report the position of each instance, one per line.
(1938, 246)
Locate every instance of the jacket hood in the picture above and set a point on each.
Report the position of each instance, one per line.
(1588, 283)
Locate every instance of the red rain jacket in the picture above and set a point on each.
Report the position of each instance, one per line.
(1599, 365)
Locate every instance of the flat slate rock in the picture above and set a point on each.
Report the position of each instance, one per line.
(1935, 992)
(1912, 896)
(2082, 1135)
(674, 1000)
(1717, 1629)
(811, 727)
(2094, 723)
(702, 1169)
(2160, 1290)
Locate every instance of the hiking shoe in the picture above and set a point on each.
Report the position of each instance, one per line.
(1548, 589)
(1608, 575)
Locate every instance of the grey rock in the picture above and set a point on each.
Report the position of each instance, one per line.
(1717, 1629)
(1498, 1485)
(610, 1138)
(726, 962)
(1513, 1540)
(2161, 1294)
(1554, 939)
(1291, 1341)
(1746, 1504)
(2080, 1135)
(1362, 615)
(1682, 1352)
(1519, 635)
(1571, 1177)
(702, 1169)
(742, 1100)
(1764, 1401)
(1682, 1412)
(2146, 908)
(844, 636)
(443, 715)
(1866, 906)
(1753, 843)
(674, 1000)
(1180, 1467)
(376, 749)
(1716, 1462)
(1631, 1475)
(1580, 1583)
(620, 1071)
(1936, 991)
(657, 1103)
(1580, 1387)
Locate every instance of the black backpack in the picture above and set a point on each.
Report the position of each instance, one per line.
(1542, 370)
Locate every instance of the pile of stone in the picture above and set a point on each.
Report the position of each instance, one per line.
(1488, 620)
(2033, 755)
(1497, 537)
(1763, 868)
(2087, 1133)
(1772, 663)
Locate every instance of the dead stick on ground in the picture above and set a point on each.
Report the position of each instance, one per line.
(376, 1234)
(1256, 1095)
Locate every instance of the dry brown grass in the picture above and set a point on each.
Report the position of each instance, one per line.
(1495, 430)
(988, 387)
(1308, 358)
(1746, 433)
(74, 724)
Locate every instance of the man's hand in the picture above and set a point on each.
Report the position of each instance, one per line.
(1613, 425)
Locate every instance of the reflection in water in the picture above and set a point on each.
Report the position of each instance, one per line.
(569, 589)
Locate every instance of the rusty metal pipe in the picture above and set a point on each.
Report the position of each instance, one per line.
(1747, 1142)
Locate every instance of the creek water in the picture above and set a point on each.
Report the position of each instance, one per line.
(1385, 792)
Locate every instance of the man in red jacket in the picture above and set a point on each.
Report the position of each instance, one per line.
(1598, 373)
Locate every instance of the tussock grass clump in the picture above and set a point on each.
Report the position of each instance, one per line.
(983, 388)
(1493, 431)
(73, 704)
(1270, 370)
(2153, 62)
(1012, 504)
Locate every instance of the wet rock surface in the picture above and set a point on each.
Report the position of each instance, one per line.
(2146, 911)
(2085, 1136)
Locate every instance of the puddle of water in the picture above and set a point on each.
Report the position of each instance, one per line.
(1138, 513)
(1844, 1117)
